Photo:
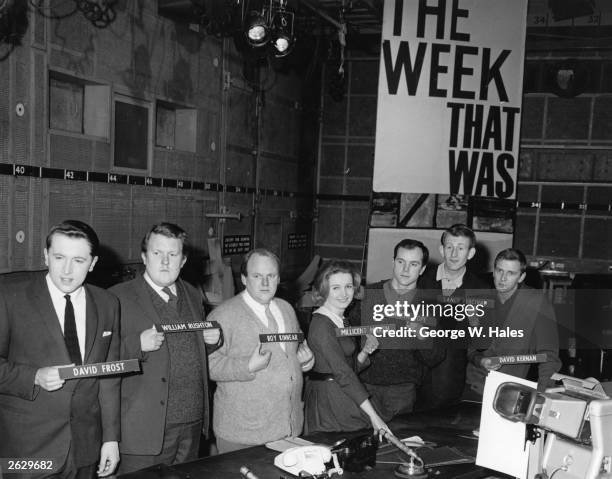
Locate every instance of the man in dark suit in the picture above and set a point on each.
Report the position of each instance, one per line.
(524, 324)
(56, 320)
(165, 408)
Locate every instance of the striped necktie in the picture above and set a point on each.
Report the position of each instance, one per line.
(172, 298)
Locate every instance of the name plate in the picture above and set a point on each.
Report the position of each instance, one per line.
(361, 330)
(185, 327)
(519, 359)
(99, 369)
(281, 338)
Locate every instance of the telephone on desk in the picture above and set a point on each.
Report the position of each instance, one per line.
(310, 459)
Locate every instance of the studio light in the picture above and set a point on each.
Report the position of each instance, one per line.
(282, 32)
(268, 23)
(257, 27)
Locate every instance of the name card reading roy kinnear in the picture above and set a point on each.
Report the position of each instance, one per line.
(281, 338)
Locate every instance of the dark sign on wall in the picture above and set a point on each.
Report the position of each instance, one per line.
(297, 240)
(236, 244)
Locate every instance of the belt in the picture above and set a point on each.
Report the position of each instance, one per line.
(315, 376)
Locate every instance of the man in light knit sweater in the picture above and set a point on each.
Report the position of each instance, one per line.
(259, 386)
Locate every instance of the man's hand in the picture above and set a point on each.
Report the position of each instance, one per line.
(48, 378)
(489, 365)
(109, 458)
(211, 336)
(259, 360)
(305, 356)
(151, 340)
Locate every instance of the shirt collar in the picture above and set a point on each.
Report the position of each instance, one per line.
(158, 289)
(337, 320)
(394, 295)
(58, 294)
(441, 274)
(255, 305)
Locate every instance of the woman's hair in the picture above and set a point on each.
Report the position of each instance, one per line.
(321, 282)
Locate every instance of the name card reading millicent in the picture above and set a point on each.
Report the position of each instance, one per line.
(281, 337)
(361, 330)
(99, 369)
(185, 327)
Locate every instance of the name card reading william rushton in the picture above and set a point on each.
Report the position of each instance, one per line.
(519, 359)
(99, 369)
(361, 330)
(281, 338)
(186, 327)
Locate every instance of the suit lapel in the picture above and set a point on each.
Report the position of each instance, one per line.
(91, 323)
(41, 301)
(143, 297)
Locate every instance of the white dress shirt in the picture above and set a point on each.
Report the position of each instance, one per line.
(159, 289)
(78, 300)
(260, 311)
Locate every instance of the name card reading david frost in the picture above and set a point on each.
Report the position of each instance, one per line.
(99, 369)
(281, 337)
(185, 327)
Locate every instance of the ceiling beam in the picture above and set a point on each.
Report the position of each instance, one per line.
(375, 7)
(322, 14)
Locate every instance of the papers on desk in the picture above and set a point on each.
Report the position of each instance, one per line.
(501, 444)
(283, 444)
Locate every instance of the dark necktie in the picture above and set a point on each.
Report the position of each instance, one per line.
(172, 298)
(70, 333)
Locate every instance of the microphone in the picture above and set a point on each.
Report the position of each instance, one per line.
(411, 470)
(247, 473)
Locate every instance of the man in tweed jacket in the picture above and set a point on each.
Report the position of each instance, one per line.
(259, 386)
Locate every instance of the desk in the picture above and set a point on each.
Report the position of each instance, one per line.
(452, 427)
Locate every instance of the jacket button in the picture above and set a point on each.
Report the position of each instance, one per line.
(162, 402)
(163, 380)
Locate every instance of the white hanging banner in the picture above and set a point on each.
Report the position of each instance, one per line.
(449, 97)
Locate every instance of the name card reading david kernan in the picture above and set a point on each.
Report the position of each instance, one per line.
(281, 338)
(519, 359)
(99, 369)
(186, 327)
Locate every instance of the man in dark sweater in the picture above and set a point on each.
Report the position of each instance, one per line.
(452, 282)
(524, 324)
(400, 363)
(165, 409)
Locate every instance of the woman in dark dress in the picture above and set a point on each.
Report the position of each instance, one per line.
(335, 399)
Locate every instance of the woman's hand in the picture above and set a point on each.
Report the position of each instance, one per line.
(377, 423)
(379, 426)
(371, 344)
